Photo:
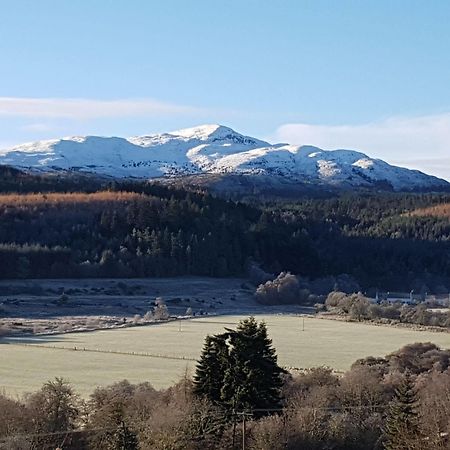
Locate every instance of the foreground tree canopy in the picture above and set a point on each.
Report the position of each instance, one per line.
(398, 402)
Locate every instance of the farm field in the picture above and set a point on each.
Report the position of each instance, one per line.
(164, 352)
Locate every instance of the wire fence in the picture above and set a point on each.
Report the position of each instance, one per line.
(96, 350)
(141, 354)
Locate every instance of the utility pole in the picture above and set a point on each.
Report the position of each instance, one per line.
(243, 431)
(244, 423)
(234, 430)
(303, 329)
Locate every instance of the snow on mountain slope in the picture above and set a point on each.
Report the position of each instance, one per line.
(211, 149)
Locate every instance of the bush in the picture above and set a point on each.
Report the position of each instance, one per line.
(334, 299)
(356, 305)
(285, 289)
(160, 311)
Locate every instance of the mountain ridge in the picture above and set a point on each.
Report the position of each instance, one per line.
(212, 149)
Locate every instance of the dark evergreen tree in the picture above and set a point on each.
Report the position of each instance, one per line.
(239, 370)
(253, 378)
(401, 430)
(211, 367)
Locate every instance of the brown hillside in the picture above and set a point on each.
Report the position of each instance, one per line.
(442, 210)
(18, 200)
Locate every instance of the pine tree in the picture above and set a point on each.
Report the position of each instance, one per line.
(401, 430)
(253, 377)
(238, 369)
(211, 367)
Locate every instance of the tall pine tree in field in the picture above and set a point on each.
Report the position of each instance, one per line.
(239, 370)
(211, 367)
(401, 429)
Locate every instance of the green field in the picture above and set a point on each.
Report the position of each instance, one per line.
(323, 342)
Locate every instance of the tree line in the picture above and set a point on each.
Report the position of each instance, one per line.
(360, 308)
(390, 241)
(130, 234)
(136, 229)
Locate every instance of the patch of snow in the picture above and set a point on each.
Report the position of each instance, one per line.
(364, 163)
(328, 169)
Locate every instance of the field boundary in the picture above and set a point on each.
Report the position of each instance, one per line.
(96, 350)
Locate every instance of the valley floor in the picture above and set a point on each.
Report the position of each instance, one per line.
(43, 338)
(35, 306)
(162, 354)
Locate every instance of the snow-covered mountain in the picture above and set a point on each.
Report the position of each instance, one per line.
(212, 149)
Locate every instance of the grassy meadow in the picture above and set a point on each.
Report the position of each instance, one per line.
(163, 353)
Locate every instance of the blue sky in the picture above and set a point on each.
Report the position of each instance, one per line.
(371, 75)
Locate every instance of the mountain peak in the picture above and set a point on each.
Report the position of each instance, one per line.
(209, 134)
(204, 132)
(217, 133)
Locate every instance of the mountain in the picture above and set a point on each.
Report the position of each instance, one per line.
(214, 151)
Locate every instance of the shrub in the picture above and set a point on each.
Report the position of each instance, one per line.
(285, 289)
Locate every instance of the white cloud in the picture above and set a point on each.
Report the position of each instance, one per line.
(416, 142)
(82, 108)
(439, 167)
